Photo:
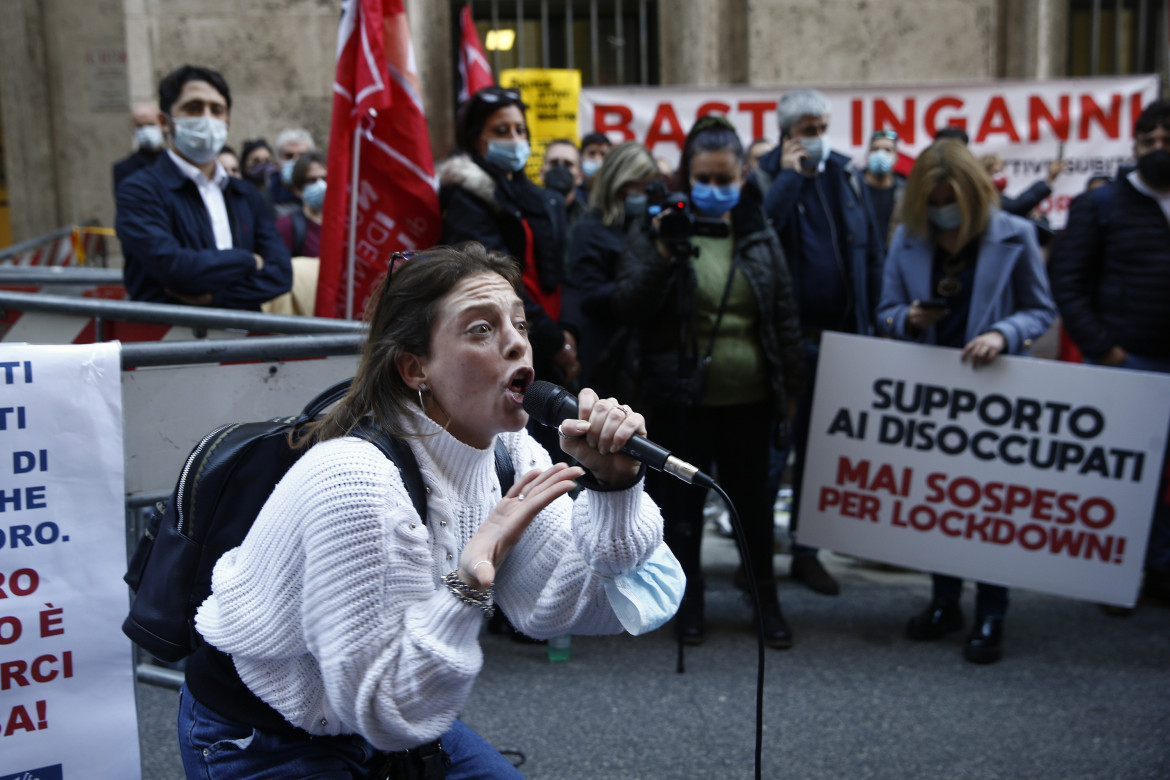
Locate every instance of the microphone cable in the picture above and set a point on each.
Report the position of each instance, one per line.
(754, 593)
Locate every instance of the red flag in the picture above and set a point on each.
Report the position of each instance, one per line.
(474, 71)
(376, 89)
(903, 164)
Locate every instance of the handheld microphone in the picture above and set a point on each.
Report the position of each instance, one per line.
(551, 404)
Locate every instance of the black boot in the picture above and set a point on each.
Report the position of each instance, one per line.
(936, 621)
(777, 634)
(985, 642)
(689, 623)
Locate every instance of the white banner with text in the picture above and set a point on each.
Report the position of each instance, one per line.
(66, 678)
(1028, 473)
(1029, 123)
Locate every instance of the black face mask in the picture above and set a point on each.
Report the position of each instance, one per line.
(1154, 168)
(558, 179)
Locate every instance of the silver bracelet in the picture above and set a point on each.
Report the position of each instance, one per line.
(484, 599)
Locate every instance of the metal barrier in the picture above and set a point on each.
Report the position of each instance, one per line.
(81, 244)
(154, 412)
(174, 314)
(63, 275)
(102, 312)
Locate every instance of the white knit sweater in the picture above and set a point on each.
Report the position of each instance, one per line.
(333, 610)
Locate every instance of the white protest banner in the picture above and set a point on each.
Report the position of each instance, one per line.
(1028, 123)
(66, 679)
(1026, 472)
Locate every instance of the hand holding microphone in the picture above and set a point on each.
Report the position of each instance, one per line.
(608, 428)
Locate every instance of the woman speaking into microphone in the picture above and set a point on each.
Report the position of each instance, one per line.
(357, 623)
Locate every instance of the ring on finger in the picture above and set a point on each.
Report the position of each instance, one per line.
(519, 496)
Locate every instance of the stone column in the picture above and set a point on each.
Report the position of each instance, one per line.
(24, 100)
(431, 32)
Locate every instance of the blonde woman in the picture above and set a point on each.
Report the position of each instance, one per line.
(962, 273)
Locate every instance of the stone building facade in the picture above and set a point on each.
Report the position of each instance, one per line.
(70, 68)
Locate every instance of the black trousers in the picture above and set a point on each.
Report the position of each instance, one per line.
(736, 439)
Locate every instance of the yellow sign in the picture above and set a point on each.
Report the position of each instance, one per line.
(551, 97)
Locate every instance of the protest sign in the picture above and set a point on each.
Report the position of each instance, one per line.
(66, 679)
(1028, 123)
(1026, 472)
(552, 97)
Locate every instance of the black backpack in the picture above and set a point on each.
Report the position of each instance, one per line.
(224, 483)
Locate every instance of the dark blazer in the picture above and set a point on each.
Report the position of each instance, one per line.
(861, 244)
(168, 242)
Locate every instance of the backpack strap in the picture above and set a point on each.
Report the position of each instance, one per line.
(399, 453)
(323, 401)
(504, 468)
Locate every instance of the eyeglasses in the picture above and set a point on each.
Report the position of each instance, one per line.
(497, 95)
(398, 258)
(890, 134)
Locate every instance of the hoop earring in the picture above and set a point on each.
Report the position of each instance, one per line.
(421, 389)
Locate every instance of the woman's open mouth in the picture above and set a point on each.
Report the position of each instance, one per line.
(519, 384)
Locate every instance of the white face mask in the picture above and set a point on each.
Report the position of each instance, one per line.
(818, 149)
(199, 138)
(148, 137)
(946, 217)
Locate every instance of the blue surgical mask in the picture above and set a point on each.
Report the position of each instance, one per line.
(590, 166)
(712, 201)
(148, 137)
(314, 194)
(286, 169)
(199, 138)
(880, 162)
(946, 217)
(818, 149)
(648, 596)
(636, 204)
(509, 155)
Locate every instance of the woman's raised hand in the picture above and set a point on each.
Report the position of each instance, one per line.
(596, 438)
(486, 550)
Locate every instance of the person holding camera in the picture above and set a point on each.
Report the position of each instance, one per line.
(706, 283)
(617, 202)
(962, 273)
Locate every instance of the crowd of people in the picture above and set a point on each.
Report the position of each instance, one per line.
(697, 290)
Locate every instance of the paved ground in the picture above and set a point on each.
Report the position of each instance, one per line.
(1080, 694)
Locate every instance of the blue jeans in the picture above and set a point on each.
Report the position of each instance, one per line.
(215, 748)
(1158, 548)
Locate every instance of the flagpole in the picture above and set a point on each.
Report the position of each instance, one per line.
(353, 204)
